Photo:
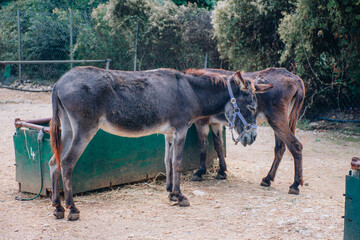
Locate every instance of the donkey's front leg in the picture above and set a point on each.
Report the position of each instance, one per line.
(285, 135)
(217, 130)
(178, 149)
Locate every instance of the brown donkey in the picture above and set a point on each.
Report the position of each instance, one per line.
(280, 107)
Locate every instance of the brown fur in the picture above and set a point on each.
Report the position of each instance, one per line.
(287, 97)
(55, 138)
(216, 78)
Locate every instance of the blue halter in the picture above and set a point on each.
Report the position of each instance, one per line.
(247, 127)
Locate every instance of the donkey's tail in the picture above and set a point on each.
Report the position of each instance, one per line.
(298, 101)
(55, 132)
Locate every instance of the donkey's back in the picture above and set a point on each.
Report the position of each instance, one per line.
(124, 103)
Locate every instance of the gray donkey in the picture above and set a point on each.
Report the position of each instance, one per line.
(135, 104)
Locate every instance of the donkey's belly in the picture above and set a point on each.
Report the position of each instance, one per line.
(124, 132)
(218, 119)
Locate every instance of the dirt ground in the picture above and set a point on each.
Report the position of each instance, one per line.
(236, 208)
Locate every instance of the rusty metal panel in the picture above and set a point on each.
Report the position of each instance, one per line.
(107, 161)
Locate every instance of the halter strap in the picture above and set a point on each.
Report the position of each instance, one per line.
(236, 113)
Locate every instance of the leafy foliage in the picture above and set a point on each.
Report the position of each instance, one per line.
(322, 44)
(168, 35)
(98, 40)
(209, 4)
(319, 40)
(44, 34)
(43, 37)
(178, 37)
(247, 32)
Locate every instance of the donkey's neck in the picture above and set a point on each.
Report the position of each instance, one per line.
(213, 99)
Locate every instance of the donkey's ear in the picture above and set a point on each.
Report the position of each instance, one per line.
(241, 81)
(261, 88)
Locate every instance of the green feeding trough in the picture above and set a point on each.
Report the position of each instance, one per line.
(107, 161)
(352, 202)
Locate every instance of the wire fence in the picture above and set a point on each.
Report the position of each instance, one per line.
(65, 35)
(35, 47)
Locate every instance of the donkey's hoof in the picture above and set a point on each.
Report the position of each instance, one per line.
(59, 214)
(73, 216)
(169, 187)
(294, 191)
(183, 201)
(196, 178)
(221, 176)
(173, 197)
(265, 182)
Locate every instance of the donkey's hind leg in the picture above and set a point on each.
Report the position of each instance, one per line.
(56, 202)
(202, 128)
(283, 131)
(66, 137)
(179, 142)
(217, 130)
(81, 138)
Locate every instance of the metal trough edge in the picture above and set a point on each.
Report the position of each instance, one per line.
(33, 123)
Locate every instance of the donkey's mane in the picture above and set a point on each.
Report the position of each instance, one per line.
(215, 77)
(169, 69)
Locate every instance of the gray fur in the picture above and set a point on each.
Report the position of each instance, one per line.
(134, 104)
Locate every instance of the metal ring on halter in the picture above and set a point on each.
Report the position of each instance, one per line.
(233, 100)
(247, 127)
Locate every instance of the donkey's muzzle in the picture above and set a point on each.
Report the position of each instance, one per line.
(248, 138)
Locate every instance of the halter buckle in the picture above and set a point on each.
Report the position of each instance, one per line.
(247, 127)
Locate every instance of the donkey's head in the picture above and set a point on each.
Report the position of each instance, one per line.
(240, 111)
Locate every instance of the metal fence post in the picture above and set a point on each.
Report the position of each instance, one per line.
(71, 39)
(19, 37)
(206, 59)
(136, 43)
(108, 64)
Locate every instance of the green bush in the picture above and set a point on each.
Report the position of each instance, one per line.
(247, 32)
(322, 45)
(168, 35)
(44, 34)
(98, 40)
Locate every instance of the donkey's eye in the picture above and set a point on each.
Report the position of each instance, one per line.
(251, 108)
